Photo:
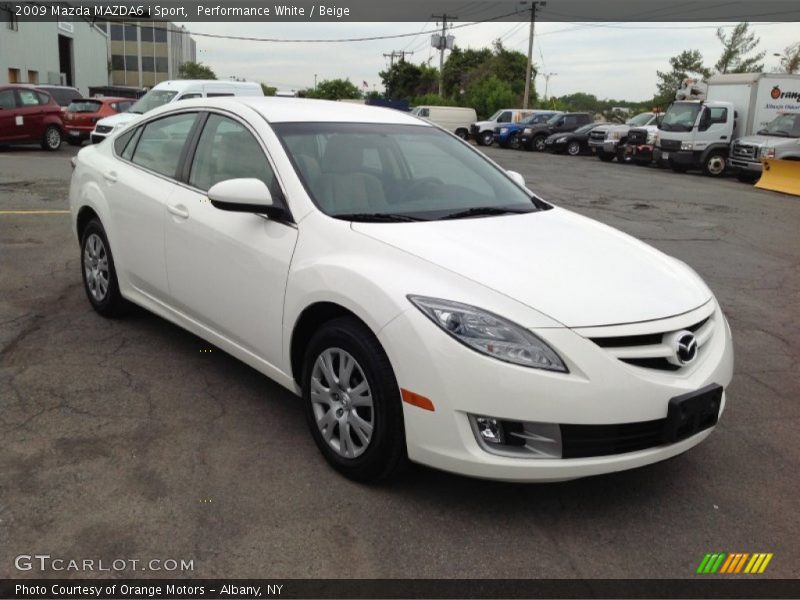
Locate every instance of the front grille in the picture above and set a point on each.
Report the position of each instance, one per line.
(670, 145)
(473, 129)
(103, 129)
(581, 441)
(745, 151)
(637, 136)
(650, 351)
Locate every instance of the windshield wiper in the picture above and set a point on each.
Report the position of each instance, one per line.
(377, 217)
(480, 211)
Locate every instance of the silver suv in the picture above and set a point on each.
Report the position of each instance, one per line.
(779, 139)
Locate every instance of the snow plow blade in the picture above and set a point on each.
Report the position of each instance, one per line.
(780, 176)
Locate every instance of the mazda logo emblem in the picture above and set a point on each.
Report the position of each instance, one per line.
(686, 347)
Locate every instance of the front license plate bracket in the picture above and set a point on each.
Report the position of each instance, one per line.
(692, 413)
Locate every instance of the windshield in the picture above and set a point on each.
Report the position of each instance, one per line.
(640, 119)
(84, 106)
(496, 115)
(361, 171)
(783, 126)
(680, 116)
(152, 99)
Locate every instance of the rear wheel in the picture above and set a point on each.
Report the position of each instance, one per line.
(513, 142)
(715, 164)
(99, 274)
(462, 133)
(51, 139)
(678, 168)
(574, 148)
(352, 401)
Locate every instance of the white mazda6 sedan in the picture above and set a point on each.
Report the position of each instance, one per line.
(423, 302)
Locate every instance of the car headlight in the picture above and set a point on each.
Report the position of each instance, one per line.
(561, 140)
(767, 153)
(527, 130)
(687, 146)
(652, 138)
(504, 130)
(489, 334)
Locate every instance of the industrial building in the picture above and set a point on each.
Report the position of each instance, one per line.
(82, 54)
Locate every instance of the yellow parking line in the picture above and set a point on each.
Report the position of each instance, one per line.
(34, 212)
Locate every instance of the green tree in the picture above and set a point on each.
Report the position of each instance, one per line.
(489, 95)
(268, 89)
(195, 70)
(334, 89)
(790, 61)
(688, 63)
(458, 66)
(735, 50)
(404, 80)
(432, 100)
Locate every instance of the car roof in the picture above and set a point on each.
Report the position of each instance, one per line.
(294, 110)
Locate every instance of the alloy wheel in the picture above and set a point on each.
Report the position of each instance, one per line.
(342, 402)
(573, 149)
(715, 165)
(95, 266)
(53, 138)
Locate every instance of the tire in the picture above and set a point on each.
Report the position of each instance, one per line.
(74, 142)
(356, 452)
(105, 297)
(52, 138)
(622, 156)
(747, 177)
(678, 168)
(715, 164)
(513, 142)
(605, 156)
(486, 138)
(462, 133)
(574, 148)
(538, 143)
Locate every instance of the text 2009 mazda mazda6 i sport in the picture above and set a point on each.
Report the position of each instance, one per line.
(423, 302)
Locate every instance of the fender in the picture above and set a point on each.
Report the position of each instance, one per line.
(725, 148)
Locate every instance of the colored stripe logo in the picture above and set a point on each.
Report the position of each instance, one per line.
(734, 562)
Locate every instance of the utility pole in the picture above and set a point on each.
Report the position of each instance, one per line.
(396, 53)
(442, 47)
(547, 77)
(534, 7)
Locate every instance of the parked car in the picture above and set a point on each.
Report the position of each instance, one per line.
(483, 131)
(533, 138)
(62, 94)
(173, 91)
(572, 143)
(507, 135)
(455, 119)
(423, 302)
(82, 115)
(604, 141)
(780, 139)
(29, 115)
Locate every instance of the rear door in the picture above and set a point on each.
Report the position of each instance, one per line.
(9, 129)
(228, 270)
(30, 114)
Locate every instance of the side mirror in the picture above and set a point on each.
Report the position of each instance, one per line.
(243, 195)
(518, 179)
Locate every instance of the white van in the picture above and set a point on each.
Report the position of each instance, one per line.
(173, 91)
(452, 118)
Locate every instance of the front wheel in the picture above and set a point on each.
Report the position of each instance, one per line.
(747, 177)
(513, 142)
(678, 168)
(538, 143)
(623, 156)
(352, 401)
(99, 275)
(605, 156)
(51, 139)
(714, 165)
(486, 138)
(574, 148)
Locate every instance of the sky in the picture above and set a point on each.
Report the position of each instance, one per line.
(609, 60)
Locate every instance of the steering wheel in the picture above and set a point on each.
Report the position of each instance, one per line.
(421, 187)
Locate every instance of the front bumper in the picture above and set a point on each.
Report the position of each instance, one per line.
(78, 133)
(745, 165)
(553, 146)
(685, 158)
(598, 390)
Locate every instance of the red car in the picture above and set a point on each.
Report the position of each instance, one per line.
(82, 114)
(28, 115)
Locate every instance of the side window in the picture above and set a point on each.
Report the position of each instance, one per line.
(131, 146)
(161, 142)
(505, 117)
(190, 95)
(571, 121)
(7, 100)
(28, 98)
(122, 141)
(425, 112)
(719, 115)
(218, 94)
(227, 150)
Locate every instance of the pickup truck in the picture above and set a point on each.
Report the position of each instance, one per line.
(507, 135)
(604, 140)
(779, 139)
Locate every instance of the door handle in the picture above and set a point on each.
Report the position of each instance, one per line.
(179, 210)
(723, 137)
(110, 176)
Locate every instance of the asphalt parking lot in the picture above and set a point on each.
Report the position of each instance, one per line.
(128, 439)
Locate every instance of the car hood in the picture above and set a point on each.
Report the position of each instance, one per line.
(561, 134)
(767, 140)
(484, 124)
(575, 270)
(119, 119)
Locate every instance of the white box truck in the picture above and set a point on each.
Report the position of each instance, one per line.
(697, 132)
